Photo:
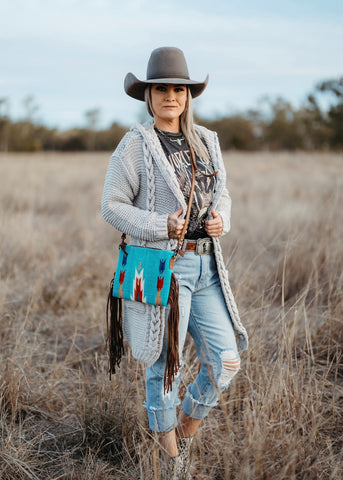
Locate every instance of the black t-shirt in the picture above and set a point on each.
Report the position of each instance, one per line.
(177, 152)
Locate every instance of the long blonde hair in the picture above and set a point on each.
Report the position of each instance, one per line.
(186, 124)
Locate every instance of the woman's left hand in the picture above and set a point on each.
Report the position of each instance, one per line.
(214, 227)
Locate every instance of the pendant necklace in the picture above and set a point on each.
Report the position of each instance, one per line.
(175, 140)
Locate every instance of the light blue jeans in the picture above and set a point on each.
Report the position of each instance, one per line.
(204, 315)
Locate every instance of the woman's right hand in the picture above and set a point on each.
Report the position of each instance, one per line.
(175, 224)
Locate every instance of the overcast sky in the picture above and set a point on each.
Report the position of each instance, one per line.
(72, 55)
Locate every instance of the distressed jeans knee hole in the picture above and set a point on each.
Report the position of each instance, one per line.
(230, 364)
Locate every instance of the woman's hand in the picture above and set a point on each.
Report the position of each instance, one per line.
(214, 227)
(175, 224)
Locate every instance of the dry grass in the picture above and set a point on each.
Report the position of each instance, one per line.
(61, 418)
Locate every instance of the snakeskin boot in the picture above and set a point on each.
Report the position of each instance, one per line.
(184, 448)
(178, 468)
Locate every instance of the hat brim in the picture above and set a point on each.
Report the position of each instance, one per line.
(135, 88)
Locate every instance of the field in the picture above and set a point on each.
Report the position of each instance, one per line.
(62, 418)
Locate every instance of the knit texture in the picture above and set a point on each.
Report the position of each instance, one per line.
(140, 191)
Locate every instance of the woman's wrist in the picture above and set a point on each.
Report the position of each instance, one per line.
(172, 227)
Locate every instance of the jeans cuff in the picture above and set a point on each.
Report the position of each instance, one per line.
(195, 408)
(162, 420)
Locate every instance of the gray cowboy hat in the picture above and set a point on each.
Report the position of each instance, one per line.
(166, 65)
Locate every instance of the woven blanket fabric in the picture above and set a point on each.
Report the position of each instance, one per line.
(143, 275)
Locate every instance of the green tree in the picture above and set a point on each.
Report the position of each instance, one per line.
(236, 132)
(108, 139)
(283, 130)
(5, 124)
(334, 90)
(315, 130)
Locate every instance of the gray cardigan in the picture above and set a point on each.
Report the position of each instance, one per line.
(140, 191)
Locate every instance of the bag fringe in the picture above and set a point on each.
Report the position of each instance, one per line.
(114, 322)
(172, 362)
(115, 343)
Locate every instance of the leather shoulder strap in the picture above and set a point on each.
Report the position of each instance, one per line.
(191, 194)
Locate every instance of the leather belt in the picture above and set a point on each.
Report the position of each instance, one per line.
(202, 246)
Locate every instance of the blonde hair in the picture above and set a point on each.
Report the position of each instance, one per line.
(186, 124)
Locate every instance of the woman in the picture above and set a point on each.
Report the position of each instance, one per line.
(145, 196)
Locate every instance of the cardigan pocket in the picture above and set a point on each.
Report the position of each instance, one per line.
(143, 326)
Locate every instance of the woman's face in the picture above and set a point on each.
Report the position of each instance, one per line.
(168, 102)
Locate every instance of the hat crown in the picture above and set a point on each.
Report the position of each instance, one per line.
(167, 62)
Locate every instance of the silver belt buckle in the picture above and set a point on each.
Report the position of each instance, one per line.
(204, 246)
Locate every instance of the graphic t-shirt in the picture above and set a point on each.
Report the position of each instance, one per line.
(177, 152)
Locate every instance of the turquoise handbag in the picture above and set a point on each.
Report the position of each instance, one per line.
(144, 275)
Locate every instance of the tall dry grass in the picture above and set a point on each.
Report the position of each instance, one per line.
(61, 417)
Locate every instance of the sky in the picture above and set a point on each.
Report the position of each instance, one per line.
(72, 55)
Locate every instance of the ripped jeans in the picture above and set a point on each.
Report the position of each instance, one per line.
(204, 315)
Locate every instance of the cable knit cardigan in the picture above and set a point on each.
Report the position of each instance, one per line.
(140, 191)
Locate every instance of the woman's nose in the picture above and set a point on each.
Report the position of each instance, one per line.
(170, 95)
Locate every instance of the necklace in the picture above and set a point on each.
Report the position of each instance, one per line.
(170, 138)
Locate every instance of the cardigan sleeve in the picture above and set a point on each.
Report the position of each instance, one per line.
(224, 202)
(121, 188)
(224, 209)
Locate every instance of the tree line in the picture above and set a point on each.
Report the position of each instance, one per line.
(273, 125)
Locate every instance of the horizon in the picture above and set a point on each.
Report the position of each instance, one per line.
(73, 57)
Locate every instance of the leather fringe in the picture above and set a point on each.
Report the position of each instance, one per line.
(172, 363)
(114, 322)
(115, 344)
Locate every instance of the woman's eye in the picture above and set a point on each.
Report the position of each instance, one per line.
(161, 88)
(179, 89)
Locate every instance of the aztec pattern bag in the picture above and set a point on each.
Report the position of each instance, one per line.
(144, 275)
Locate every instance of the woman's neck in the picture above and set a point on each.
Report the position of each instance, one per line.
(172, 126)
